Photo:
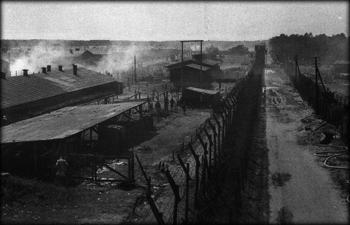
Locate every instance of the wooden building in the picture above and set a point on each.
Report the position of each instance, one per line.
(341, 66)
(31, 95)
(195, 73)
(33, 145)
(89, 58)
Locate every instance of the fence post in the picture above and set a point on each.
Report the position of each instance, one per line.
(223, 140)
(155, 210)
(214, 142)
(219, 132)
(187, 192)
(188, 178)
(196, 157)
(142, 170)
(204, 174)
(182, 164)
(228, 115)
(132, 167)
(95, 168)
(210, 145)
(175, 189)
(203, 144)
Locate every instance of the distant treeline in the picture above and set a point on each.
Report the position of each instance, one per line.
(283, 48)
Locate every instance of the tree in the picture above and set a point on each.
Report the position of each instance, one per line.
(212, 52)
(307, 46)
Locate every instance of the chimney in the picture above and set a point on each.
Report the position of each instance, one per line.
(25, 72)
(75, 69)
(60, 68)
(48, 68)
(43, 69)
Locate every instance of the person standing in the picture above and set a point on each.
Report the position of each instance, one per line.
(157, 106)
(172, 104)
(166, 104)
(184, 107)
(62, 168)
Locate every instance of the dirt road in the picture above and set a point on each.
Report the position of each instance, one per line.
(301, 190)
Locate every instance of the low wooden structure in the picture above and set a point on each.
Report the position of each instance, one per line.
(193, 73)
(69, 132)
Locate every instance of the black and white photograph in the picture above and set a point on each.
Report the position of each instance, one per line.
(175, 112)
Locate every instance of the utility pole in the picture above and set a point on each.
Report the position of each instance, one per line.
(10, 62)
(135, 67)
(182, 64)
(296, 68)
(316, 86)
(201, 66)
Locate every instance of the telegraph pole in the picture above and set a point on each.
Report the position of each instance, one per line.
(182, 64)
(135, 68)
(316, 86)
(201, 66)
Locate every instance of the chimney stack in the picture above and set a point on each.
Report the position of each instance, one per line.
(48, 68)
(60, 68)
(43, 69)
(25, 72)
(75, 69)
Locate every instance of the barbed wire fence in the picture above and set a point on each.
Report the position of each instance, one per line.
(193, 170)
(331, 106)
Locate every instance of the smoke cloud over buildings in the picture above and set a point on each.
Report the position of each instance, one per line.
(115, 60)
(39, 56)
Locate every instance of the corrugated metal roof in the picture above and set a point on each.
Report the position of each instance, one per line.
(210, 92)
(197, 67)
(22, 89)
(63, 123)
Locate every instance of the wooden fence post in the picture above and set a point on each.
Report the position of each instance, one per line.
(214, 142)
(186, 169)
(219, 133)
(155, 210)
(175, 189)
(210, 145)
(196, 157)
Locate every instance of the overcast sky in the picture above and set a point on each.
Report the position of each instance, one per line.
(158, 21)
